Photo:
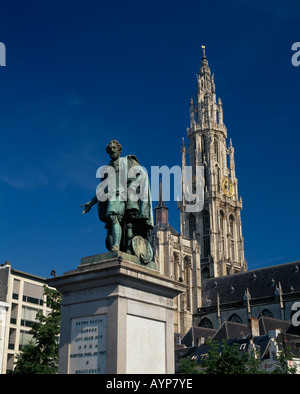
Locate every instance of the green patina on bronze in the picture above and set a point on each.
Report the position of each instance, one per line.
(128, 222)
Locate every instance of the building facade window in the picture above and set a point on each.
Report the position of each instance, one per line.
(205, 273)
(14, 313)
(235, 318)
(187, 279)
(16, 289)
(218, 179)
(28, 316)
(232, 250)
(203, 148)
(176, 265)
(231, 225)
(206, 246)
(206, 234)
(192, 225)
(12, 338)
(231, 232)
(33, 293)
(266, 313)
(221, 222)
(205, 322)
(216, 150)
(25, 337)
(206, 224)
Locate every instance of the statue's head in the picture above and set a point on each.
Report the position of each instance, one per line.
(114, 149)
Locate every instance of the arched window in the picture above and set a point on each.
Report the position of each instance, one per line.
(266, 313)
(216, 150)
(231, 225)
(192, 225)
(231, 231)
(203, 147)
(176, 265)
(218, 180)
(205, 322)
(187, 279)
(206, 234)
(222, 232)
(205, 273)
(205, 178)
(206, 222)
(221, 222)
(235, 318)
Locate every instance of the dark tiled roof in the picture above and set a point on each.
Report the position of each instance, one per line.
(238, 333)
(231, 330)
(164, 227)
(294, 330)
(195, 333)
(260, 283)
(234, 330)
(181, 354)
(268, 323)
(199, 353)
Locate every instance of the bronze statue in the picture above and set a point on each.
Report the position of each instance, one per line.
(124, 204)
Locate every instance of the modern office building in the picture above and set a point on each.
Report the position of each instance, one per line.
(21, 297)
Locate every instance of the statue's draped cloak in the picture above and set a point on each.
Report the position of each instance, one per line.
(128, 209)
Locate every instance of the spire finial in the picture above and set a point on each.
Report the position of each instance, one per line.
(161, 202)
(161, 211)
(203, 48)
(161, 199)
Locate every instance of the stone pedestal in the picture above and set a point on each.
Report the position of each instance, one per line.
(117, 317)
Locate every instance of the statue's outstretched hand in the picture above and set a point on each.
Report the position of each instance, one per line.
(87, 207)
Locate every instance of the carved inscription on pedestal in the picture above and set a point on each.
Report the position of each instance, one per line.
(88, 345)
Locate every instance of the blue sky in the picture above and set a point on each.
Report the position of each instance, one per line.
(80, 73)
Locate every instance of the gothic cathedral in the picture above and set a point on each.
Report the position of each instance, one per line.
(210, 243)
(217, 227)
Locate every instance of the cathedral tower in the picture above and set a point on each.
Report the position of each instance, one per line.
(217, 228)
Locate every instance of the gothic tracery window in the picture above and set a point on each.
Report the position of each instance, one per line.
(192, 225)
(222, 232)
(216, 150)
(266, 313)
(231, 231)
(221, 222)
(218, 179)
(205, 273)
(187, 278)
(203, 147)
(206, 234)
(176, 265)
(205, 322)
(231, 224)
(206, 222)
(235, 318)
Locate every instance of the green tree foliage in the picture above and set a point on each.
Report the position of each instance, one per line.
(283, 359)
(227, 359)
(188, 366)
(40, 355)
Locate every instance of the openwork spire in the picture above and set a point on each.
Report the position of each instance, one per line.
(206, 112)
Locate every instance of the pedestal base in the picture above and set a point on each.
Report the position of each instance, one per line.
(117, 317)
